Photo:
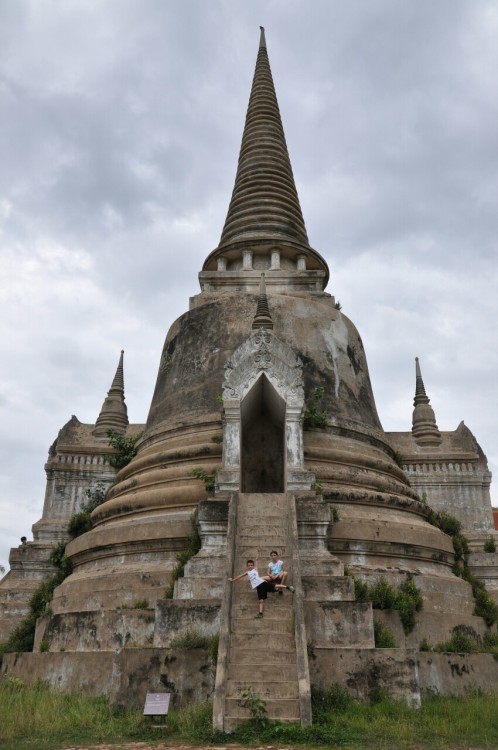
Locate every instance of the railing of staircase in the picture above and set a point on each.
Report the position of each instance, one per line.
(225, 620)
(303, 673)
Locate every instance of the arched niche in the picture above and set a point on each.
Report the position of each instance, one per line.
(263, 374)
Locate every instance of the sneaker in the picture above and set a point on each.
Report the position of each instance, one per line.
(280, 592)
(258, 616)
(291, 589)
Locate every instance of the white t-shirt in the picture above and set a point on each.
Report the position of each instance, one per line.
(254, 578)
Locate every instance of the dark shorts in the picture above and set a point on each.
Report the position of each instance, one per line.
(263, 589)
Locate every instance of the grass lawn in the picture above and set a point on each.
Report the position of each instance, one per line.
(35, 718)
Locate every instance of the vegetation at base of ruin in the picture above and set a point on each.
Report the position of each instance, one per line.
(423, 499)
(193, 547)
(490, 545)
(44, 646)
(256, 706)
(464, 641)
(384, 637)
(208, 479)
(59, 558)
(81, 522)
(190, 639)
(314, 416)
(485, 606)
(214, 643)
(22, 637)
(68, 720)
(125, 447)
(407, 599)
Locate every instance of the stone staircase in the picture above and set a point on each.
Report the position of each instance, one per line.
(262, 653)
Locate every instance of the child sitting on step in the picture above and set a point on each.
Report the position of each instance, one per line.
(276, 570)
(262, 584)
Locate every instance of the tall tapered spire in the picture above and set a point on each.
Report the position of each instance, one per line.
(424, 429)
(264, 215)
(113, 414)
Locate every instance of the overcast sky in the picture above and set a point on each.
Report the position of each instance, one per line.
(120, 126)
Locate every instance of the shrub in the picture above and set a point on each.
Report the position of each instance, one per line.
(424, 645)
(208, 479)
(190, 639)
(490, 545)
(459, 643)
(485, 607)
(407, 599)
(140, 604)
(314, 417)
(384, 637)
(193, 547)
(336, 699)
(125, 447)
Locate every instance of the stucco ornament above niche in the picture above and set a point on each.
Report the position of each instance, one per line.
(264, 352)
(263, 358)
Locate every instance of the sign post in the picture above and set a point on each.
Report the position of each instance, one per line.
(157, 704)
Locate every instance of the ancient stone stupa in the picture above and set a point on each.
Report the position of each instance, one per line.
(264, 423)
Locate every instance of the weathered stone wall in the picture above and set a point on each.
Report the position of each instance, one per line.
(124, 676)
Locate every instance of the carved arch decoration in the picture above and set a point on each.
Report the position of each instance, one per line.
(260, 354)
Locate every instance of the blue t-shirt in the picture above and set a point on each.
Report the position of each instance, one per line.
(275, 568)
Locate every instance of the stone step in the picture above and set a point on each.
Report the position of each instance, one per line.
(284, 709)
(320, 588)
(232, 723)
(247, 656)
(264, 673)
(272, 625)
(272, 611)
(265, 689)
(199, 588)
(262, 642)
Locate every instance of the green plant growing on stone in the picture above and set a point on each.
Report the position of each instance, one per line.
(213, 646)
(318, 487)
(193, 547)
(490, 545)
(44, 646)
(485, 607)
(217, 439)
(335, 699)
(81, 522)
(257, 706)
(338, 305)
(458, 643)
(407, 599)
(208, 479)
(125, 447)
(424, 645)
(383, 635)
(314, 416)
(60, 560)
(335, 514)
(140, 604)
(423, 499)
(190, 639)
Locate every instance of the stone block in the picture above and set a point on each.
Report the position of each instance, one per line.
(366, 672)
(177, 616)
(333, 624)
